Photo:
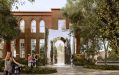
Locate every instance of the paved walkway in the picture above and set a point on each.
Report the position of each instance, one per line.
(68, 70)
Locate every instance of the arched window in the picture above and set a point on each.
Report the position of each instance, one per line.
(42, 26)
(33, 26)
(22, 26)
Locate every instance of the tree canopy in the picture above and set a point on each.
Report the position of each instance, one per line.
(94, 19)
(9, 28)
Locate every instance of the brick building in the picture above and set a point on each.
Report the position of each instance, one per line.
(34, 26)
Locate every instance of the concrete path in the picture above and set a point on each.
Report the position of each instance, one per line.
(69, 70)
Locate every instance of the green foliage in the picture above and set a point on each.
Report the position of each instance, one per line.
(22, 61)
(38, 70)
(113, 56)
(8, 27)
(78, 60)
(108, 15)
(99, 58)
(40, 61)
(81, 61)
(84, 19)
(27, 70)
(98, 19)
(8, 24)
(1, 65)
(103, 67)
(42, 58)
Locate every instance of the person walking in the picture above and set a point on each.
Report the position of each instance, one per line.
(30, 60)
(36, 58)
(9, 60)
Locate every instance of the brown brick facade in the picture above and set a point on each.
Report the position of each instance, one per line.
(51, 22)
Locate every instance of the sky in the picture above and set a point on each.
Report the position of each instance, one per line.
(39, 5)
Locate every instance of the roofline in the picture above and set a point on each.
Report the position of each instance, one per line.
(31, 11)
(36, 11)
(55, 8)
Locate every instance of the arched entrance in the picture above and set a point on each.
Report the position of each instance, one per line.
(60, 53)
(60, 49)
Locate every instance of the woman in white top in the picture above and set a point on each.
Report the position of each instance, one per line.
(8, 63)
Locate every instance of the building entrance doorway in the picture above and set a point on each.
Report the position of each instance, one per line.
(60, 53)
(60, 49)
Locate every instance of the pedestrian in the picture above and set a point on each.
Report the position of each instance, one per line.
(16, 69)
(30, 60)
(9, 60)
(36, 58)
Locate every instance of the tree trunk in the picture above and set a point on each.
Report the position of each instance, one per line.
(77, 42)
(7, 47)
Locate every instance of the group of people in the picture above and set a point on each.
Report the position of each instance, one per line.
(11, 66)
(32, 60)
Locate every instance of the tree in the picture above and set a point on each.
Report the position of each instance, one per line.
(9, 29)
(82, 14)
(108, 13)
(100, 21)
(7, 21)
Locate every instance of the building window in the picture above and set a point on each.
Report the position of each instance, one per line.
(33, 26)
(42, 26)
(22, 48)
(13, 49)
(22, 26)
(42, 43)
(33, 46)
(42, 47)
(1, 48)
(61, 24)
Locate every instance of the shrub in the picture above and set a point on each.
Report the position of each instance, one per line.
(78, 60)
(27, 70)
(103, 67)
(113, 57)
(40, 62)
(100, 58)
(22, 60)
(81, 61)
(38, 70)
(1, 65)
